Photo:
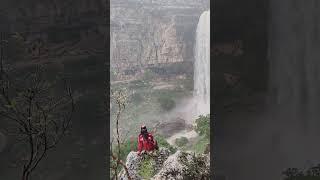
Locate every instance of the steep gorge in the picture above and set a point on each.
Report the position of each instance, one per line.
(152, 33)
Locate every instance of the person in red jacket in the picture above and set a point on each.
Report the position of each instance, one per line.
(146, 142)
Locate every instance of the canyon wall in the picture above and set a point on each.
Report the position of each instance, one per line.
(152, 33)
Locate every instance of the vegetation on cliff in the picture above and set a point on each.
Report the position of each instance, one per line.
(203, 129)
(146, 168)
(312, 173)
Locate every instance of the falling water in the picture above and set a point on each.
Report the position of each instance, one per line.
(201, 94)
(295, 78)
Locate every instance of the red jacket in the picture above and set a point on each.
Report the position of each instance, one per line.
(148, 144)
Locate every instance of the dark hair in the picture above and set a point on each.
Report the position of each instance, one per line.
(144, 131)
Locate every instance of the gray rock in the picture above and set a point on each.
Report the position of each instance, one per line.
(182, 165)
(133, 162)
(161, 158)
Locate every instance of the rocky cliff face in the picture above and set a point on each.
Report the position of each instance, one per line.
(39, 15)
(145, 32)
(47, 28)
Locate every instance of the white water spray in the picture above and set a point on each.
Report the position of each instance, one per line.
(201, 94)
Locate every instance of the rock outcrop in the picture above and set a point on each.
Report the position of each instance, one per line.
(180, 165)
(134, 161)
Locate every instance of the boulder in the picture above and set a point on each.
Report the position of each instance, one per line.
(180, 165)
(134, 161)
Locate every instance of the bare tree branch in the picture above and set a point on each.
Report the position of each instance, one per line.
(120, 99)
(40, 116)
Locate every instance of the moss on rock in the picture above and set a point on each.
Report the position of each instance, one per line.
(146, 169)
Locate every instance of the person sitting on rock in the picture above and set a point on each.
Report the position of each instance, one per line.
(146, 142)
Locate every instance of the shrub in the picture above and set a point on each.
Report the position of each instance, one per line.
(181, 141)
(203, 125)
(200, 146)
(162, 142)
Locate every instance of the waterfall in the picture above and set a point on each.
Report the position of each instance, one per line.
(295, 78)
(201, 94)
(294, 62)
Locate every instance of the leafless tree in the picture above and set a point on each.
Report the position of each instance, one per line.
(120, 98)
(36, 115)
